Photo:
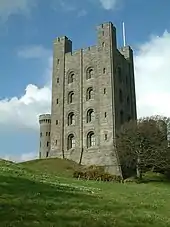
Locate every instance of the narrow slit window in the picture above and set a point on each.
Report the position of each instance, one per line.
(105, 136)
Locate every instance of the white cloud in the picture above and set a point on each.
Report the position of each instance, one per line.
(11, 7)
(68, 6)
(22, 112)
(34, 51)
(64, 5)
(152, 76)
(21, 158)
(82, 13)
(109, 4)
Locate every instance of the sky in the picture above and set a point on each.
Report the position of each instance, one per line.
(27, 31)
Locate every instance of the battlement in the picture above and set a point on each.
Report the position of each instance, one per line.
(126, 51)
(90, 48)
(105, 25)
(63, 43)
(61, 39)
(45, 118)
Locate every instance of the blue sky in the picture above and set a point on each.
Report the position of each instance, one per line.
(27, 30)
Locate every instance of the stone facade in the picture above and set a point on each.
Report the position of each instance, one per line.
(45, 131)
(93, 94)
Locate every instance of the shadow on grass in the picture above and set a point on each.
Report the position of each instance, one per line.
(27, 203)
(154, 180)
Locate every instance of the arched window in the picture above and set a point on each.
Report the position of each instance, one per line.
(89, 73)
(121, 117)
(90, 115)
(70, 142)
(71, 119)
(128, 102)
(89, 93)
(119, 71)
(70, 97)
(120, 96)
(104, 70)
(70, 78)
(91, 140)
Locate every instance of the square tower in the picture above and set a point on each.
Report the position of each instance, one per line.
(93, 94)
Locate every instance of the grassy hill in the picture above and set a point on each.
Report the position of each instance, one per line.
(61, 167)
(32, 197)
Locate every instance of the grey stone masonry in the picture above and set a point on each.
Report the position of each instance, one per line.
(45, 131)
(93, 94)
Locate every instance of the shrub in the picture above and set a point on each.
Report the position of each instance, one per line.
(153, 176)
(96, 173)
(131, 180)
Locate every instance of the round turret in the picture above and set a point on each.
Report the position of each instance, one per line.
(45, 130)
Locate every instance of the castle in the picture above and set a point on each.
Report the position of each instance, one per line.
(93, 94)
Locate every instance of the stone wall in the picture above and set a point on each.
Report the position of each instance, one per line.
(45, 131)
(105, 60)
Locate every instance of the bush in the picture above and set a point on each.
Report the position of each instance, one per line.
(131, 180)
(153, 176)
(96, 173)
(77, 174)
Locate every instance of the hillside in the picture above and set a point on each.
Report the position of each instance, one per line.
(61, 167)
(36, 199)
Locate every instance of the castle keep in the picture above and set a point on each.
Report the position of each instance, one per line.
(93, 94)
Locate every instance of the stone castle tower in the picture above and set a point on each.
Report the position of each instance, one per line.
(93, 94)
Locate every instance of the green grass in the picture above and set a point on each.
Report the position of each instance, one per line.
(53, 166)
(36, 199)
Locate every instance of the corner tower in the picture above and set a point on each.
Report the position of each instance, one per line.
(127, 52)
(62, 45)
(45, 131)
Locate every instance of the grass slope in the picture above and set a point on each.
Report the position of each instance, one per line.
(31, 198)
(61, 167)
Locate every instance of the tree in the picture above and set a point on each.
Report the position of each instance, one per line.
(143, 144)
